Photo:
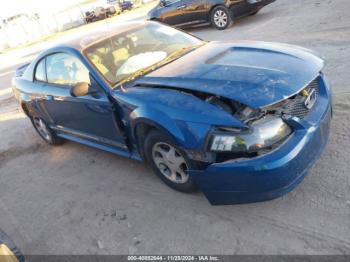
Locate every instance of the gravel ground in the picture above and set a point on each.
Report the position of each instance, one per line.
(73, 199)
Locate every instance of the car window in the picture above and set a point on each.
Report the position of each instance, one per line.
(65, 69)
(40, 74)
(121, 55)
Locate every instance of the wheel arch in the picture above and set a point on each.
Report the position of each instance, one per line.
(219, 4)
(143, 120)
(32, 109)
(143, 126)
(25, 109)
(27, 105)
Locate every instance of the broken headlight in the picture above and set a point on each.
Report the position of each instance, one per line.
(262, 134)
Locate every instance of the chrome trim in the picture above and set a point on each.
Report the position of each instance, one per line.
(311, 99)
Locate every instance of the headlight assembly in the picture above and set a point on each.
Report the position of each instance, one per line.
(263, 133)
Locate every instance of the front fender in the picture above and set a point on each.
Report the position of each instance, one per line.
(157, 119)
(185, 134)
(184, 117)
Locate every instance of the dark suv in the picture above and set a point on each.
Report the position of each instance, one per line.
(220, 13)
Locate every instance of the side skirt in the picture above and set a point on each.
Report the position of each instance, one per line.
(75, 137)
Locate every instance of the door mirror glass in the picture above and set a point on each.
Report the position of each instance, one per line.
(80, 89)
(162, 3)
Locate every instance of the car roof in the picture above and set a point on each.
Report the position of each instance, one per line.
(81, 40)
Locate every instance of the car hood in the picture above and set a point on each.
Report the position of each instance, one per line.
(256, 74)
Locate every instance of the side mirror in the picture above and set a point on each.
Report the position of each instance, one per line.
(80, 89)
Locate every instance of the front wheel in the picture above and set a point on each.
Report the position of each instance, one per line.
(221, 17)
(45, 132)
(169, 162)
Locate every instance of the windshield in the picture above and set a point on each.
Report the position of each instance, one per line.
(125, 56)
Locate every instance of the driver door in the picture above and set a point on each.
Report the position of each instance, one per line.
(194, 10)
(88, 117)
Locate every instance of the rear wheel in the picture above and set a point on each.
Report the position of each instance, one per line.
(169, 162)
(221, 17)
(46, 133)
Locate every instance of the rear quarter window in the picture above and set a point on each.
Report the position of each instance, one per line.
(67, 70)
(40, 74)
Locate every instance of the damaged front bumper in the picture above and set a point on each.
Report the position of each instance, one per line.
(276, 173)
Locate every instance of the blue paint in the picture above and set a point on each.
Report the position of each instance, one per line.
(256, 74)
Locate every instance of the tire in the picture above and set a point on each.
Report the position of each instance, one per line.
(221, 17)
(171, 170)
(255, 12)
(45, 132)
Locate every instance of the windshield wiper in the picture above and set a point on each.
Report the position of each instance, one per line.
(150, 68)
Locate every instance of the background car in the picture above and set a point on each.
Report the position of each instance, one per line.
(220, 13)
(100, 13)
(125, 5)
(122, 5)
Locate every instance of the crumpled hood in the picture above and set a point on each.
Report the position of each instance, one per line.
(256, 74)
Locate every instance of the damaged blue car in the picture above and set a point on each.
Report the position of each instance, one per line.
(241, 121)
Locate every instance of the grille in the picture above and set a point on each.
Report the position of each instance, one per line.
(296, 107)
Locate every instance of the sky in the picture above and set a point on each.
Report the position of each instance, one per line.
(13, 7)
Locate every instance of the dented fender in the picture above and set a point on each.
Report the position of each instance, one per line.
(185, 117)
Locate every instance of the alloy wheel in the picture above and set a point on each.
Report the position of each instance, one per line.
(42, 128)
(170, 162)
(220, 18)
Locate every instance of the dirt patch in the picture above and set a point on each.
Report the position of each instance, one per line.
(341, 103)
(8, 105)
(14, 152)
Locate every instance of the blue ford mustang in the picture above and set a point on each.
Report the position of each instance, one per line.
(241, 121)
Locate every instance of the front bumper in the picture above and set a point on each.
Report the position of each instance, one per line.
(274, 174)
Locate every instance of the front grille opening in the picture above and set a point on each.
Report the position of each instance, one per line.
(227, 156)
(296, 105)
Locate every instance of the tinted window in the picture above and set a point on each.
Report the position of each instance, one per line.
(40, 71)
(66, 69)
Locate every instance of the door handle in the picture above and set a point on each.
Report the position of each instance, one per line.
(181, 7)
